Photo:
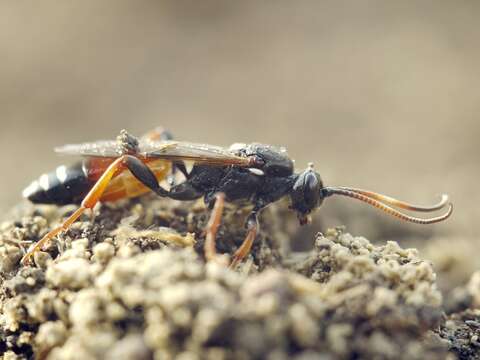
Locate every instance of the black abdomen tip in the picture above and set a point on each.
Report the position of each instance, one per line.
(65, 185)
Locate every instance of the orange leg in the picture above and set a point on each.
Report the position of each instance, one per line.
(212, 227)
(245, 248)
(88, 202)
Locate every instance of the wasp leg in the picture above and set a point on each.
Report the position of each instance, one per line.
(184, 192)
(88, 202)
(244, 249)
(212, 228)
(143, 174)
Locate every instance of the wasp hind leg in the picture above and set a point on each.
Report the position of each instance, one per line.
(143, 174)
(184, 191)
(91, 199)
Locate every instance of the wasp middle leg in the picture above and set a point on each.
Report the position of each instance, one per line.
(212, 229)
(214, 222)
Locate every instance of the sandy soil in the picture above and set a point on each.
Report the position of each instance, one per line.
(133, 284)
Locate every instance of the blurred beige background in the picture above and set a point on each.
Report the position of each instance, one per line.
(382, 95)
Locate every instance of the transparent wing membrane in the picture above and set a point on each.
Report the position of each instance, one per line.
(102, 148)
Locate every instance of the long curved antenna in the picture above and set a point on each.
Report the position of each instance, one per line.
(328, 191)
(398, 203)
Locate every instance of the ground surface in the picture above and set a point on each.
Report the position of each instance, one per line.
(133, 284)
(379, 95)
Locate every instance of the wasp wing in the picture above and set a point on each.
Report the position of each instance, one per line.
(197, 153)
(102, 148)
(168, 150)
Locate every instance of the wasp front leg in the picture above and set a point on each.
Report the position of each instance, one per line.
(252, 230)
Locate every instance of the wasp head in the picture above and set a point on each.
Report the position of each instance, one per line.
(306, 194)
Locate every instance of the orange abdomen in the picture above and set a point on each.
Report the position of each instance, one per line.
(125, 185)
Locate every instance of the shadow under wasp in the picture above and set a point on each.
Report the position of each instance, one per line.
(260, 174)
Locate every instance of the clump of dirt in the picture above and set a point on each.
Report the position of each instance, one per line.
(133, 284)
(455, 267)
(461, 331)
(384, 295)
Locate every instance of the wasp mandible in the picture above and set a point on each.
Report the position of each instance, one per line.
(257, 173)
